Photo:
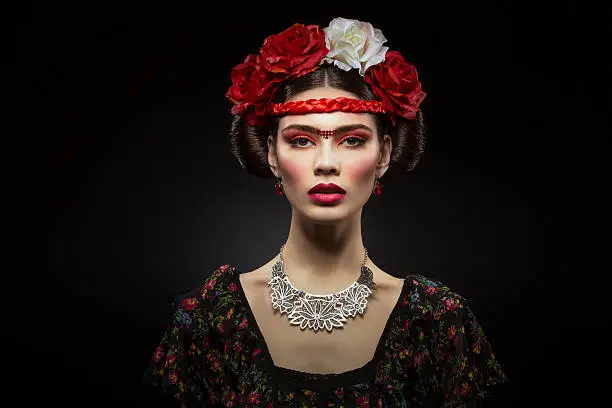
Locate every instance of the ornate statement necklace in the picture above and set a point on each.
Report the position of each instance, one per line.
(317, 312)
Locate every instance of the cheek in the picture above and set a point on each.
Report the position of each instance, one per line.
(361, 170)
(293, 171)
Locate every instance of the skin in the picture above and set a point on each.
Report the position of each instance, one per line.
(324, 249)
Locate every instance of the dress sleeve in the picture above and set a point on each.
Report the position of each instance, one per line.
(468, 370)
(175, 369)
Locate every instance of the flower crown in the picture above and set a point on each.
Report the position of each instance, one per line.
(300, 49)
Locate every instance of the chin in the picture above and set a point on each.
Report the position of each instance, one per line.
(327, 215)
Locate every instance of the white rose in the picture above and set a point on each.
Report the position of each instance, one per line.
(354, 44)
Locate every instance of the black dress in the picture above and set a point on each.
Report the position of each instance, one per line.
(432, 353)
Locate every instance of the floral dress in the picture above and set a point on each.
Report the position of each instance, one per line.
(432, 353)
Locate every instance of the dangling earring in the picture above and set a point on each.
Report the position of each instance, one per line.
(278, 187)
(377, 187)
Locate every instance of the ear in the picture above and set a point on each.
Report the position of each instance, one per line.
(272, 157)
(385, 156)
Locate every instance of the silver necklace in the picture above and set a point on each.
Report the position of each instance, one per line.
(317, 312)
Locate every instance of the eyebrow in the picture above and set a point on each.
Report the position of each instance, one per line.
(341, 129)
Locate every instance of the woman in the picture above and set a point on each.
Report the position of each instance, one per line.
(327, 112)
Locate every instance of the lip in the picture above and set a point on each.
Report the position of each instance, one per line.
(326, 198)
(329, 188)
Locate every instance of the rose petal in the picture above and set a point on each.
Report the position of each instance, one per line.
(338, 63)
(344, 48)
(375, 59)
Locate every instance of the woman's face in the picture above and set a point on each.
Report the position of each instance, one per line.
(351, 159)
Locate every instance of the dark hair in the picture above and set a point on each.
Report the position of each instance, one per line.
(249, 144)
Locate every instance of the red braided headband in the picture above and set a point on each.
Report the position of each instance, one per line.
(325, 105)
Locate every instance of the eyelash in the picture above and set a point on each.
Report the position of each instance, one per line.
(358, 139)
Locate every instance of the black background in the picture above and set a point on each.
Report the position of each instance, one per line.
(125, 195)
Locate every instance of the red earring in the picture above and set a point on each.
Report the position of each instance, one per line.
(278, 187)
(377, 187)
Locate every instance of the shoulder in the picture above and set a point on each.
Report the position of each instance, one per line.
(217, 283)
(467, 364)
(432, 298)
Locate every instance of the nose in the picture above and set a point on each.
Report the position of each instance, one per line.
(327, 160)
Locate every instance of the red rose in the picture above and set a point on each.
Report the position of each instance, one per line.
(396, 83)
(250, 83)
(294, 52)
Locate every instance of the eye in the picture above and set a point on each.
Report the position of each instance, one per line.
(300, 141)
(354, 141)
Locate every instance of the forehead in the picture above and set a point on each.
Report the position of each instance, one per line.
(330, 120)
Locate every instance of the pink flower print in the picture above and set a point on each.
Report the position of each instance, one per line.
(419, 358)
(215, 364)
(224, 268)
(189, 303)
(243, 324)
(431, 290)
(254, 397)
(232, 287)
(256, 351)
(465, 389)
(230, 398)
(406, 324)
(210, 285)
(158, 355)
(452, 331)
(170, 358)
(238, 347)
(172, 376)
(363, 401)
(450, 304)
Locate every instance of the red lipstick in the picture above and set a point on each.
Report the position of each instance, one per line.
(326, 193)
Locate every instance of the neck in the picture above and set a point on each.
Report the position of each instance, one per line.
(323, 257)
